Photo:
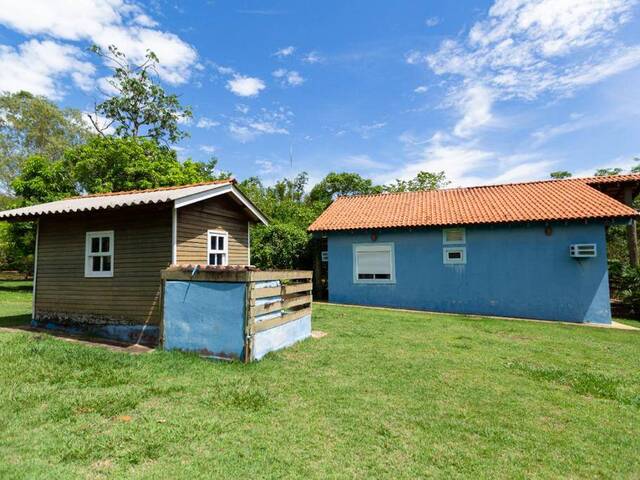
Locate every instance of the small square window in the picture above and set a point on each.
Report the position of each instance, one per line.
(454, 236)
(454, 255)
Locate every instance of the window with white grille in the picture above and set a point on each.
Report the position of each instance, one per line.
(218, 248)
(99, 254)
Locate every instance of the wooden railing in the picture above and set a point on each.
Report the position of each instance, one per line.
(269, 306)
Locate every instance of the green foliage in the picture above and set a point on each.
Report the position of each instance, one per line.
(107, 164)
(629, 286)
(31, 125)
(607, 172)
(560, 174)
(422, 181)
(42, 181)
(280, 245)
(339, 184)
(140, 107)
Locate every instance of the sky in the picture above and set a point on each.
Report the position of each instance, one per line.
(489, 92)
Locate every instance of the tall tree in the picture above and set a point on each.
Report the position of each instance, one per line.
(338, 184)
(107, 164)
(139, 106)
(607, 172)
(422, 181)
(32, 125)
(560, 174)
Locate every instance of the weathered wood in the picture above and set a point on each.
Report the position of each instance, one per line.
(276, 322)
(256, 310)
(142, 248)
(281, 275)
(297, 301)
(265, 292)
(218, 213)
(296, 288)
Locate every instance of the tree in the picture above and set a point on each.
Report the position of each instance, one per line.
(422, 181)
(339, 184)
(560, 174)
(140, 106)
(31, 125)
(607, 172)
(280, 245)
(107, 164)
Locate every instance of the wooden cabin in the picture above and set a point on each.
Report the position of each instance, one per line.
(98, 257)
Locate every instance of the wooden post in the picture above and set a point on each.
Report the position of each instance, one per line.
(632, 231)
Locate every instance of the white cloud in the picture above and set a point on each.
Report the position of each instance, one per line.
(288, 77)
(267, 167)
(247, 128)
(362, 162)
(465, 163)
(242, 108)
(367, 130)
(105, 22)
(245, 86)
(475, 108)
(432, 21)
(313, 57)
(421, 89)
(40, 67)
(206, 123)
(528, 48)
(210, 149)
(285, 52)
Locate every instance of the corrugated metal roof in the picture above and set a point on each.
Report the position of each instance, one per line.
(571, 199)
(115, 200)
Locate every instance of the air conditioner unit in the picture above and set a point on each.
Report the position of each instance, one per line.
(583, 250)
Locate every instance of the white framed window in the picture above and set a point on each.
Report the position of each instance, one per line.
(99, 254)
(454, 236)
(454, 255)
(217, 247)
(373, 263)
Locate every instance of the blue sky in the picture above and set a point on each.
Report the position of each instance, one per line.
(489, 92)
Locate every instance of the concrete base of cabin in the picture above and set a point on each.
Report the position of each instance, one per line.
(280, 337)
(135, 334)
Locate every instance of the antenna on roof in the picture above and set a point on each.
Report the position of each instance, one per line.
(291, 154)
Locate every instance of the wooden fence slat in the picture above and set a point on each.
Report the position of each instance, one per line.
(266, 292)
(265, 308)
(281, 275)
(275, 322)
(297, 301)
(295, 288)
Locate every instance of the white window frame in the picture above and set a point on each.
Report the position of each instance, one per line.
(224, 251)
(455, 261)
(369, 247)
(445, 241)
(88, 255)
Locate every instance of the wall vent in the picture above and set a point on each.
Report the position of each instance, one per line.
(583, 250)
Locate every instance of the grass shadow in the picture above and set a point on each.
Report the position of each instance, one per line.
(16, 320)
(16, 287)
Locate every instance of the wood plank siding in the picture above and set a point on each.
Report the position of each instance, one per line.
(218, 213)
(142, 248)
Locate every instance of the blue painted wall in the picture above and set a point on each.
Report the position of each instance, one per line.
(205, 317)
(513, 271)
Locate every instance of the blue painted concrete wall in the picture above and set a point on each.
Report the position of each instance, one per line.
(205, 317)
(281, 336)
(513, 271)
(142, 334)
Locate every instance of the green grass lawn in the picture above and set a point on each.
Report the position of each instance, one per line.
(384, 394)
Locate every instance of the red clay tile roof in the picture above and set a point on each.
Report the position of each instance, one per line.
(571, 199)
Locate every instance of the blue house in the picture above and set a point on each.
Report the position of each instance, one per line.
(531, 250)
